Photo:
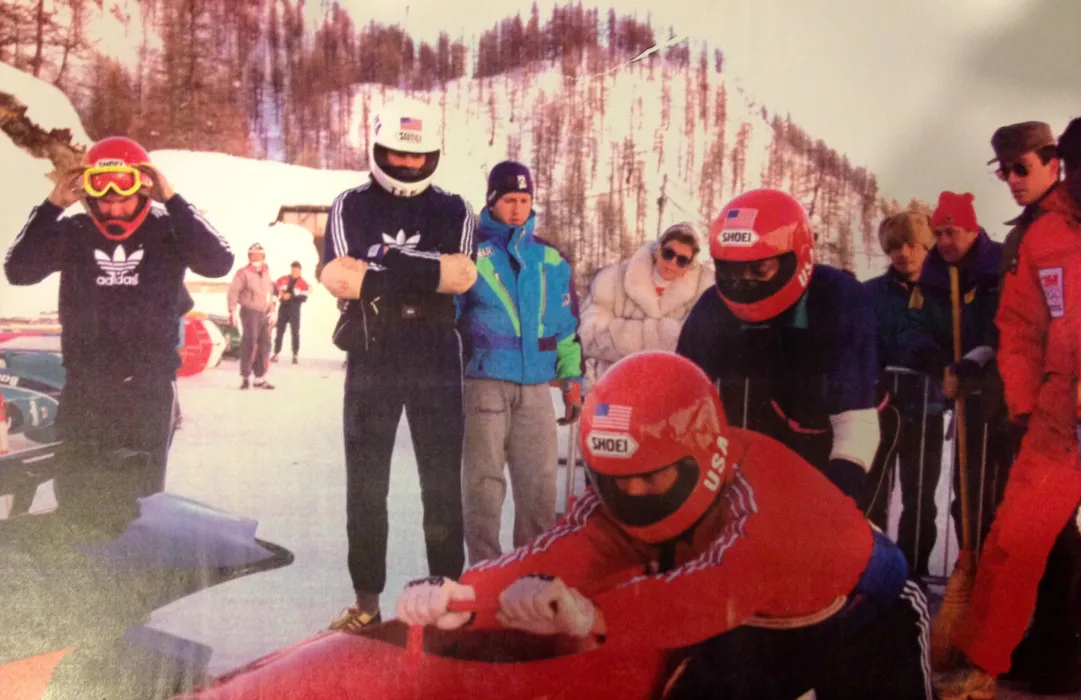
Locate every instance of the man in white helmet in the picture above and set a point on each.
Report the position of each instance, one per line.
(399, 249)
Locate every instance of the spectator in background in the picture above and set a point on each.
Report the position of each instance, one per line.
(1027, 162)
(251, 303)
(521, 320)
(926, 345)
(906, 238)
(292, 292)
(640, 303)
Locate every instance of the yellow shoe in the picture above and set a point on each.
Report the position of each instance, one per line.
(966, 684)
(353, 619)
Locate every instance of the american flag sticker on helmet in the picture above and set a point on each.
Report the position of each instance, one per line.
(740, 218)
(612, 417)
(408, 124)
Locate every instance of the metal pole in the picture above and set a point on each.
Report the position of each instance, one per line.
(572, 464)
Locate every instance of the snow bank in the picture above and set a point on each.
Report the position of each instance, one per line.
(46, 105)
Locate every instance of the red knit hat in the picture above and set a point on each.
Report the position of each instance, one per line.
(955, 210)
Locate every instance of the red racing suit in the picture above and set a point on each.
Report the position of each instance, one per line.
(781, 547)
(1039, 320)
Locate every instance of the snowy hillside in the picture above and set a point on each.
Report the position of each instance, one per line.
(623, 138)
(605, 147)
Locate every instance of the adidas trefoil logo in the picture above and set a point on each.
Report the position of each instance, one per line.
(401, 241)
(119, 269)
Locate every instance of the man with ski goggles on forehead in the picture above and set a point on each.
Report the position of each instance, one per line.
(123, 180)
(122, 265)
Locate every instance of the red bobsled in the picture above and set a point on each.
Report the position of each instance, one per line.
(203, 345)
(395, 662)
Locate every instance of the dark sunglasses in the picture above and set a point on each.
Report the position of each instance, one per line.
(1018, 169)
(681, 260)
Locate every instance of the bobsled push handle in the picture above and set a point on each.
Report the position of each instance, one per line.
(487, 605)
(414, 643)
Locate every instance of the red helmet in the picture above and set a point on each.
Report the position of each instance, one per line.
(651, 411)
(111, 167)
(758, 225)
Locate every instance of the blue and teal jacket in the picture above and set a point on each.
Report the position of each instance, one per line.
(521, 316)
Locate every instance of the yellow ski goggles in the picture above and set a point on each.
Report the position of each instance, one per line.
(125, 180)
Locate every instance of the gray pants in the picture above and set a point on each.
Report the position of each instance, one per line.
(514, 425)
(254, 342)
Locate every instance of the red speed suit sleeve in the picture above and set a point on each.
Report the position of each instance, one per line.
(1023, 319)
(793, 546)
(580, 550)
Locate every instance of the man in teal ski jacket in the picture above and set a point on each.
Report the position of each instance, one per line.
(521, 323)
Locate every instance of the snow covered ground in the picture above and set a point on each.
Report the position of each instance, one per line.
(278, 457)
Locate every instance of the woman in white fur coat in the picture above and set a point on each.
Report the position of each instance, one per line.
(640, 303)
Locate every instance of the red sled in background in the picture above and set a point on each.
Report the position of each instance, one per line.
(203, 345)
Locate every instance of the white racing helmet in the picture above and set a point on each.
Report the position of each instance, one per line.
(407, 126)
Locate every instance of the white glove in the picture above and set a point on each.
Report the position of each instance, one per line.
(542, 604)
(425, 601)
(457, 273)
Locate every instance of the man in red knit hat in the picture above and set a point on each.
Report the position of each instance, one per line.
(926, 343)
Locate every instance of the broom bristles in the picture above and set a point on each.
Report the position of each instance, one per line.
(954, 604)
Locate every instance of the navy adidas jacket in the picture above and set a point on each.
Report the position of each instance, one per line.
(400, 284)
(118, 299)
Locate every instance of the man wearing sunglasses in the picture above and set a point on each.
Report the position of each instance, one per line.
(639, 303)
(121, 266)
(1029, 564)
(1027, 162)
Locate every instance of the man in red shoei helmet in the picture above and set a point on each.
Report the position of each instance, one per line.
(791, 343)
(718, 544)
(121, 268)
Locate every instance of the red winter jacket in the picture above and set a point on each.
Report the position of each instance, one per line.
(299, 293)
(1039, 321)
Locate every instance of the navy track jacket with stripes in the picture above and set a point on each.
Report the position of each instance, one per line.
(118, 299)
(401, 239)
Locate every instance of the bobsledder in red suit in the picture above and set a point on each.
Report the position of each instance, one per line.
(700, 557)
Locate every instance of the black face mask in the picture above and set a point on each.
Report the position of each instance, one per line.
(745, 291)
(639, 511)
(407, 175)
